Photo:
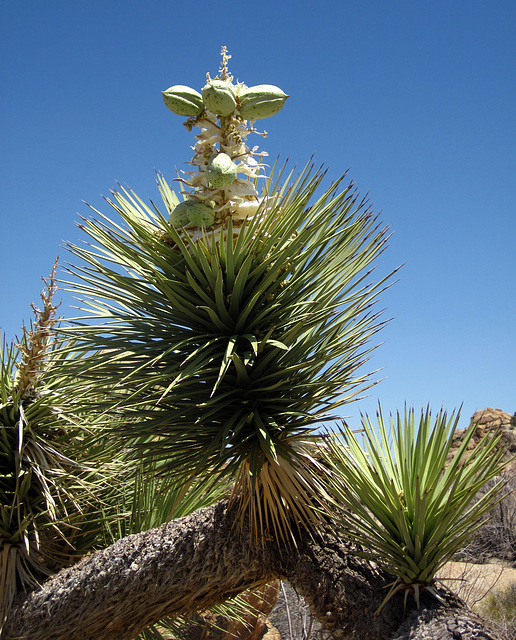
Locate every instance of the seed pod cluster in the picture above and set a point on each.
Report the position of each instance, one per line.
(224, 182)
(219, 97)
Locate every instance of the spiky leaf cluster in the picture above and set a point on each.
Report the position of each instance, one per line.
(49, 512)
(403, 496)
(223, 353)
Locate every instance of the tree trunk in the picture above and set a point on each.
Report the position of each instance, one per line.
(195, 562)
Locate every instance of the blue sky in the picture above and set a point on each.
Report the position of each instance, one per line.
(416, 99)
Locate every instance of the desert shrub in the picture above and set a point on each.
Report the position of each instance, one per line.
(500, 608)
(496, 539)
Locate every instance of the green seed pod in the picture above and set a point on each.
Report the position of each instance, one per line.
(262, 101)
(191, 212)
(219, 97)
(183, 101)
(221, 171)
(201, 215)
(179, 215)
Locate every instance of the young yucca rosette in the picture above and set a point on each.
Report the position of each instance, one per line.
(408, 508)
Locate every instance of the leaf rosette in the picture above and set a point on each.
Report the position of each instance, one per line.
(403, 496)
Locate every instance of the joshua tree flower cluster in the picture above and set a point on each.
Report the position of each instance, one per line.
(224, 182)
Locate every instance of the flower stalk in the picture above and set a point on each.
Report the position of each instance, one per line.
(38, 341)
(224, 181)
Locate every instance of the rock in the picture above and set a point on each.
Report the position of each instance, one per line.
(496, 538)
(491, 421)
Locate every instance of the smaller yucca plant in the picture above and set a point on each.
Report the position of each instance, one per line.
(44, 494)
(28, 467)
(403, 500)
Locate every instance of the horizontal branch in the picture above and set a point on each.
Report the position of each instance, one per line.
(189, 564)
(195, 562)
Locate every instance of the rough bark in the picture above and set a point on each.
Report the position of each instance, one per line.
(201, 560)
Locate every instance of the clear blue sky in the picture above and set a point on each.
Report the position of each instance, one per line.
(416, 99)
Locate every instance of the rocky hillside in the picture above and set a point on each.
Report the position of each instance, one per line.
(492, 421)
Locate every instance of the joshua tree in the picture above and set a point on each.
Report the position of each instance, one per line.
(220, 330)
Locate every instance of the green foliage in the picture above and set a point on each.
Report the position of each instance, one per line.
(222, 353)
(203, 363)
(400, 496)
(501, 605)
(44, 494)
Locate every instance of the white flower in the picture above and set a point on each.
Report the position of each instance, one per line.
(242, 188)
(246, 209)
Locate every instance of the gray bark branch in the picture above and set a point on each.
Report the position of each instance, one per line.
(196, 562)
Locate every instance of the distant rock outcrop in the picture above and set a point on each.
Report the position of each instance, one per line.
(492, 421)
